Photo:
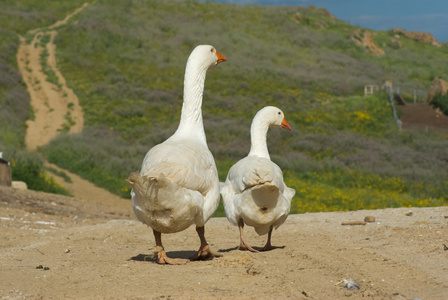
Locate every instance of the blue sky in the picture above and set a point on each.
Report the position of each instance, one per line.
(412, 15)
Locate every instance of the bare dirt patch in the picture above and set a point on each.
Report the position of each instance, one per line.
(421, 116)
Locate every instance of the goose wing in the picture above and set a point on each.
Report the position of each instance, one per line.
(188, 164)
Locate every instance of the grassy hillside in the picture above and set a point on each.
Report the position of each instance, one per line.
(126, 61)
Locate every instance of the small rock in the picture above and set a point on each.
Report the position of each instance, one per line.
(369, 219)
(409, 214)
(19, 185)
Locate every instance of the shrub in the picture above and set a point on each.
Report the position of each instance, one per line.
(29, 167)
(441, 101)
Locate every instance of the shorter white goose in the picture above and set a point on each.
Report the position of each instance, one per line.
(254, 192)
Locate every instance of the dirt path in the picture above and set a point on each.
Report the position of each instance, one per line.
(97, 250)
(56, 107)
(84, 190)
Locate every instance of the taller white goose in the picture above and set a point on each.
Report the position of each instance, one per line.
(178, 183)
(254, 192)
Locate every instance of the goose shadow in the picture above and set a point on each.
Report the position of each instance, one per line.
(273, 248)
(144, 257)
(172, 254)
(188, 254)
(228, 249)
(256, 248)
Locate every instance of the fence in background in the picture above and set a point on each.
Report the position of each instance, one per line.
(409, 95)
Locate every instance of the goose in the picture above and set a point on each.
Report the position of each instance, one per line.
(254, 192)
(178, 184)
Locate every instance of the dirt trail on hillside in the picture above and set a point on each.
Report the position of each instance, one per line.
(55, 106)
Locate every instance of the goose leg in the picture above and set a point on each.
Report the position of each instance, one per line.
(161, 254)
(204, 251)
(268, 245)
(243, 245)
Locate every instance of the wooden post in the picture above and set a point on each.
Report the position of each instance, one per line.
(5, 172)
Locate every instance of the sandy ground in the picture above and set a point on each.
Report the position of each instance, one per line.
(97, 250)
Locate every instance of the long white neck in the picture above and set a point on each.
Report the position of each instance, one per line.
(191, 124)
(258, 132)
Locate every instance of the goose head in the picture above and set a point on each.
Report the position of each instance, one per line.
(205, 57)
(269, 116)
(273, 117)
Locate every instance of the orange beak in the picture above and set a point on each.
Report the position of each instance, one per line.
(221, 57)
(285, 124)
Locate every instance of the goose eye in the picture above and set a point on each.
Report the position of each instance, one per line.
(279, 113)
(212, 50)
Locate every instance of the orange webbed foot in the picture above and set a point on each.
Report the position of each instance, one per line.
(246, 247)
(163, 259)
(205, 253)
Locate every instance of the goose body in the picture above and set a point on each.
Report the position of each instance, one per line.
(254, 193)
(178, 184)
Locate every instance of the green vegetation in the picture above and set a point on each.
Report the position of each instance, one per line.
(441, 101)
(28, 167)
(48, 71)
(126, 61)
(60, 174)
